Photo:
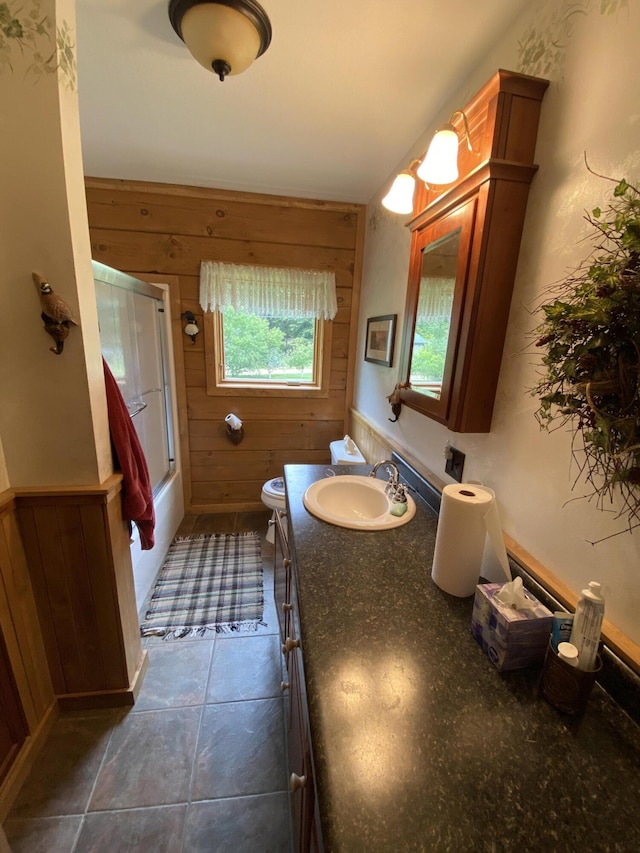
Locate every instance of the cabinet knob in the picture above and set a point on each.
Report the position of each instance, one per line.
(296, 782)
(290, 644)
(286, 563)
(284, 685)
(286, 607)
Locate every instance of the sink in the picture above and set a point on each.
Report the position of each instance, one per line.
(356, 502)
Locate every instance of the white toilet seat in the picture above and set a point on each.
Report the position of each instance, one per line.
(273, 494)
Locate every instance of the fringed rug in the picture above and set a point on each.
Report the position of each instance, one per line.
(207, 583)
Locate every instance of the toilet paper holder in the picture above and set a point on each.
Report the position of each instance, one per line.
(234, 428)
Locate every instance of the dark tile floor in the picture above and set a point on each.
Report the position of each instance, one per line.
(198, 764)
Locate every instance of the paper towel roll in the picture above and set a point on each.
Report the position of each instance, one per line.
(233, 421)
(468, 516)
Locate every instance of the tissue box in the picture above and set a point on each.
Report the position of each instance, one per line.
(512, 638)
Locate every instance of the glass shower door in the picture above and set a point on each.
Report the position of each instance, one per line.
(133, 342)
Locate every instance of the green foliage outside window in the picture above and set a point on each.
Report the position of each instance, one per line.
(427, 361)
(267, 349)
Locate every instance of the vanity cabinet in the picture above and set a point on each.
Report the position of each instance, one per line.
(304, 807)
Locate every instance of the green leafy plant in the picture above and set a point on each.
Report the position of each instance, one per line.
(591, 334)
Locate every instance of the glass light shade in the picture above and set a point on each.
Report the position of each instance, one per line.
(440, 166)
(399, 199)
(214, 32)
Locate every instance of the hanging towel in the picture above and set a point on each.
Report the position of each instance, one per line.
(137, 503)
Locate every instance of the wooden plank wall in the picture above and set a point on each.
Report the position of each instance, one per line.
(77, 548)
(19, 620)
(148, 229)
(25, 654)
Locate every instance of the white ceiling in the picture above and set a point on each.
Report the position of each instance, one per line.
(343, 92)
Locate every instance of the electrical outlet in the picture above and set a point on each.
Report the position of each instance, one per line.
(455, 463)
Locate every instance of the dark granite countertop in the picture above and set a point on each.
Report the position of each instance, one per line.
(419, 743)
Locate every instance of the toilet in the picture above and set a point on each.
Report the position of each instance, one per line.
(343, 452)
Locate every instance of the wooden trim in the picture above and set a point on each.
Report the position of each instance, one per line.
(24, 762)
(489, 170)
(222, 509)
(7, 502)
(217, 386)
(210, 194)
(107, 698)
(356, 288)
(613, 637)
(103, 491)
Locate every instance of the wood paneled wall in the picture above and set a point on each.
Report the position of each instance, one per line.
(77, 548)
(25, 657)
(147, 229)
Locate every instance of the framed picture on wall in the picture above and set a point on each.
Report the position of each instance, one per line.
(381, 333)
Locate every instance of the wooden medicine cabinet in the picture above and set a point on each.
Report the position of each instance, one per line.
(464, 253)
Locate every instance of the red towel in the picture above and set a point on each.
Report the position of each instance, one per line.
(137, 502)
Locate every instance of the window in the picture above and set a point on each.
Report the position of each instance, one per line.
(265, 329)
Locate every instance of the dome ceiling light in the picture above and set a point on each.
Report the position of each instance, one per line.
(225, 36)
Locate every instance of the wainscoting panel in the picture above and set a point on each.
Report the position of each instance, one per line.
(77, 549)
(27, 701)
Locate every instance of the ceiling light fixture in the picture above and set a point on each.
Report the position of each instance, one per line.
(224, 36)
(439, 166)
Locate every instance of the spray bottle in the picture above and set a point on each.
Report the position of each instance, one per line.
(585, 633)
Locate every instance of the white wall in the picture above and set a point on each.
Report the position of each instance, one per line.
(592, 59)
(53, 418)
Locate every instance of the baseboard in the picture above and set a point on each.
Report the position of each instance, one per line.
(227, 508)
(21, 767)
(107, 698)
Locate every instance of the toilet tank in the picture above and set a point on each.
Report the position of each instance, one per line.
(346, 452)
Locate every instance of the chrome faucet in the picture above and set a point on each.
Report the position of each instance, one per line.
(394, 488)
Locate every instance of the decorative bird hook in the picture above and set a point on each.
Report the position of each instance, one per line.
(56, 314)
(396, 402)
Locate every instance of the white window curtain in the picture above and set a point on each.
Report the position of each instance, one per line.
(268, 291)
(435, 299)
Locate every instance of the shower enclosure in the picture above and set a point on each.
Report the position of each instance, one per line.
(133, 320)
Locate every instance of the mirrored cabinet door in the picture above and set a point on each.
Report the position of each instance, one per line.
(435, 298)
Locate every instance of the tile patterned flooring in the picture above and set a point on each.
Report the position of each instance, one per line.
(198, 764)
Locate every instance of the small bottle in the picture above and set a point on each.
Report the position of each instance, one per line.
(568, 653)
(585, 633)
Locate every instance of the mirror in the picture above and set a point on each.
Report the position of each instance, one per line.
(464, 254)
(433, 315)
(435, 297)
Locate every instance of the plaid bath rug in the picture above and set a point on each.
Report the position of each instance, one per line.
(207, 583)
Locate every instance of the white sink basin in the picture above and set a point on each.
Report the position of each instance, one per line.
(354, 501)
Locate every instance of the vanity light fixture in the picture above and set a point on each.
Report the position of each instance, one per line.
(439, 166)
(224, 36)
(399, 199)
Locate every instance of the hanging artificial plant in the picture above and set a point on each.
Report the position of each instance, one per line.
(591, 334)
